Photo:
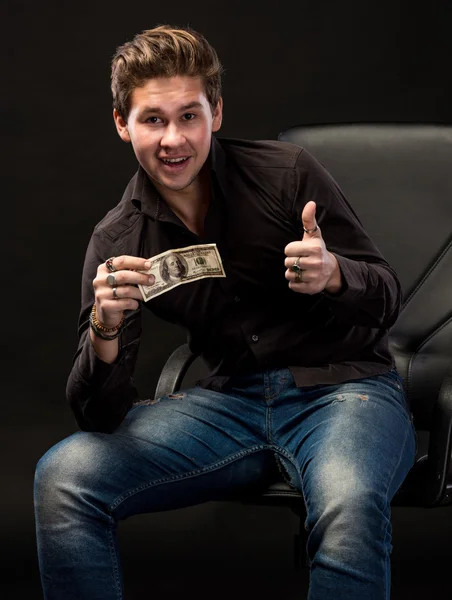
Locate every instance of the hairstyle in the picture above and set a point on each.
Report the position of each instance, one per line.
(164, 51)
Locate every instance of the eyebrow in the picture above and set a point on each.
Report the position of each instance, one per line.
(159, 111)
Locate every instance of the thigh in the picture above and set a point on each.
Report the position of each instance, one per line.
(178, 450)
(354, 438)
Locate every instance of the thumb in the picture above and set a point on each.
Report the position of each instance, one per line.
(308, 219)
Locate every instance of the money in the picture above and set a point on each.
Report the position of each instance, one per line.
(182, 265)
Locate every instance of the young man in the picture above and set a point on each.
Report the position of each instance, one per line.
(295, 337)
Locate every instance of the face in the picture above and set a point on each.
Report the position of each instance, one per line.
(171, 118)
(174, 265)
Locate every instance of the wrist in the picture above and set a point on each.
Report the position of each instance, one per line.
(103, 323)
(101, 330)
(334, 283)
(106, 351)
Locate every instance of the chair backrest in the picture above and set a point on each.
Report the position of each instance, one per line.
(398, 178)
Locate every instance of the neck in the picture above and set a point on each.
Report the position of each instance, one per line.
(191, 205)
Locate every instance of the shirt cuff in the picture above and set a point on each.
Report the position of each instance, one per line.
(98, 372)
(352, 284)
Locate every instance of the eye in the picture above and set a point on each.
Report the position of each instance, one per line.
(153, 120)
(189, 116)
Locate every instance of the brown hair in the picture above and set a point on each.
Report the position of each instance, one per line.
(164, 51)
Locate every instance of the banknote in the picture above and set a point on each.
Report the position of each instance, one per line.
(182, 265)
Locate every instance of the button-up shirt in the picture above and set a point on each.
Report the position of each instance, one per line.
(250, 320)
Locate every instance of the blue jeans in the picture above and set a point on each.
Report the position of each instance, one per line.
(346, 447)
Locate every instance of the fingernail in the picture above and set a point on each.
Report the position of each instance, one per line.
(147, 264)
(151, 279)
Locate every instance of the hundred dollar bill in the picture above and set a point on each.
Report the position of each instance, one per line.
(182, 265)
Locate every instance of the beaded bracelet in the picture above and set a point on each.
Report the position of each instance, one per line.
(98, 333)
(98, 325)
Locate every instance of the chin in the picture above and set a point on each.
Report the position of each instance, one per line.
(175, 187)
(178, 186)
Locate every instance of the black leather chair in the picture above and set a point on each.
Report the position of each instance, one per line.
(398, 177)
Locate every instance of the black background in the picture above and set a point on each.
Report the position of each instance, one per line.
(64, 166)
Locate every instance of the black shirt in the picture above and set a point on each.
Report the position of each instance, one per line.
(250, 320)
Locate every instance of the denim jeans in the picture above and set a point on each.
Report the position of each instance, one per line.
(346, 447)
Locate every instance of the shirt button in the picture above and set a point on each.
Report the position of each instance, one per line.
(236, 298)
(255, 338)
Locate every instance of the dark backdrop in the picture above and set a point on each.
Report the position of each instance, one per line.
(64, 166)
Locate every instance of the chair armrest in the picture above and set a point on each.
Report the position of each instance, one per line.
(174, 371)
(440, 447)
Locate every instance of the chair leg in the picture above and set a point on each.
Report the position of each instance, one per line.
(300, 538)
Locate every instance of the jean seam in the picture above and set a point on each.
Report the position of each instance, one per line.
(385, 525)
(292, 459)
(269, 424)
(273, 395)
(114, 560)
(213, 467)
(267, 389)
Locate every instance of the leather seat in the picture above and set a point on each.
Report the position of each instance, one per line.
(398, 178)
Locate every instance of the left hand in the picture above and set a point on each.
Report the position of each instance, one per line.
(320, 269)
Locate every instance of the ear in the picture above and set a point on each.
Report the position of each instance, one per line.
(217, 116)
(121, 126)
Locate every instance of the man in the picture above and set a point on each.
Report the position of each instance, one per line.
(295, 337)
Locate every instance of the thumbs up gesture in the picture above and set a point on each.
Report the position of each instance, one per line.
(311, 269)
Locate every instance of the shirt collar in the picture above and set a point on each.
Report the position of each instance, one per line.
(217, 159)
(146, 198)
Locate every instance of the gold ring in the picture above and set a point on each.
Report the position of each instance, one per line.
(295, 267)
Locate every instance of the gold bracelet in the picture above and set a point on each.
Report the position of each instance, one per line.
(99, 325)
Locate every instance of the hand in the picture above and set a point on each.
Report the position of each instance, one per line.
(110, 309)
(319, 268)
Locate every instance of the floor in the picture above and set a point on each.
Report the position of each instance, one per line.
(225, 551)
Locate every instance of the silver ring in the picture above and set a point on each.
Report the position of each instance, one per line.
(115, 295)
(298, 277)
(111, 280)
(313, 230)
(295, 268)
(109, 264)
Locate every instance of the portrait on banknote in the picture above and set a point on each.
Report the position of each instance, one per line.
(173, 268)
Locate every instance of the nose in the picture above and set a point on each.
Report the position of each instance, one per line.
(172, 137)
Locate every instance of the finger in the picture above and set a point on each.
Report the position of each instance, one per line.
(309, 221)
(303, 287)
(129, 262)
(298, 248)
(122, 292)
(299, 286)
(304, 248)
(124, 278)
(113, 306)
(295, 277)
(302, 262)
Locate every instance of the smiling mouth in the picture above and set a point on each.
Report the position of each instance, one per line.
(175, 161)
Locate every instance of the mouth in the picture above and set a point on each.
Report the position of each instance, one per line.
(175, 165)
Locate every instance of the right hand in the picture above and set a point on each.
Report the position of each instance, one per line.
(110, 310)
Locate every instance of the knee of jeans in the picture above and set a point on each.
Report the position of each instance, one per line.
(340, 494)
(347, 523)
(63, 469)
